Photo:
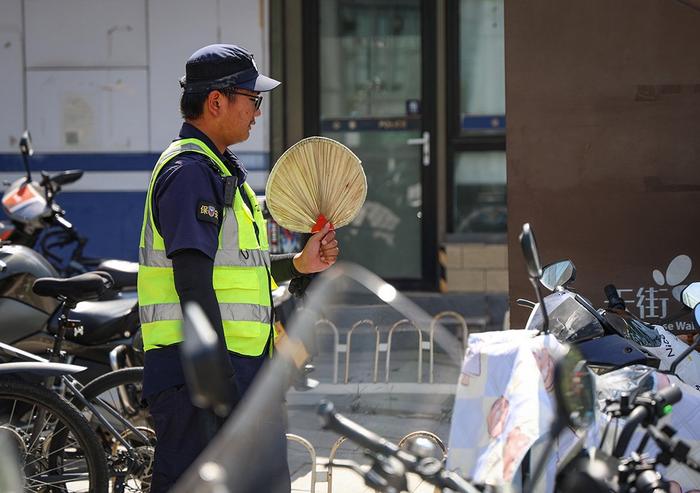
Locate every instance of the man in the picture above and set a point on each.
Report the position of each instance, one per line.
(204, 240)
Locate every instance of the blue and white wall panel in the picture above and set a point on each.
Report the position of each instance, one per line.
(96, 82)
(11, 75)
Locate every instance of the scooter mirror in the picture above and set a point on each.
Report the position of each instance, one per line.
(558, 274)
(574, 390)
(691, 295)
(25, 144)
(529, 247)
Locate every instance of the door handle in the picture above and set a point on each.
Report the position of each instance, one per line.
(425, 142)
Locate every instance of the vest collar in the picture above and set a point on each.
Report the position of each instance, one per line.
(230, 160)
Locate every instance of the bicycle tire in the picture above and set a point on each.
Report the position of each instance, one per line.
(101, 384)
(109, 382)
(72, 422)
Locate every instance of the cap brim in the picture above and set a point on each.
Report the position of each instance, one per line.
(264, 83)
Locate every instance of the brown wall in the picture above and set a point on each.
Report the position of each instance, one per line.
(603, 142)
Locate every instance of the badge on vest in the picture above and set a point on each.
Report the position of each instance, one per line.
(208, 212)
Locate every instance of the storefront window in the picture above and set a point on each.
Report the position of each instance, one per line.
(370, 100)
(481, 65)
(480, 192)
(478, 158)
(363, 74)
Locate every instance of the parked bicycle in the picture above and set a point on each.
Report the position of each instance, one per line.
(111, 402)
(49, 440)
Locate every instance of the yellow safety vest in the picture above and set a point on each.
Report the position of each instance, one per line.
(241, 278)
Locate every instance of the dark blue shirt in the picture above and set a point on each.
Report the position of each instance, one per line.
(181, 188)
(185, 184)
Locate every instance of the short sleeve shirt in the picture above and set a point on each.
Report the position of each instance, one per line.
(188, 197)
(183, 186)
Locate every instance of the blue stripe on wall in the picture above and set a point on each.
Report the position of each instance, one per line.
(109, 161)
(111, 221)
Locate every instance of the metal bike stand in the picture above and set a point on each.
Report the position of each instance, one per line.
(331, 457)
(436, 319)
(425, 434)
(312, 454)
(376, 348)
(336, 344)
(407, 322)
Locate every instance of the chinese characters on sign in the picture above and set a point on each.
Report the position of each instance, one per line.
(652, 302)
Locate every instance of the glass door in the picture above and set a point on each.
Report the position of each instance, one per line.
(371, 96)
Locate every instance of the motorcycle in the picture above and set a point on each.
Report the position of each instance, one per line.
(37, 221)
(590, 469)
(574, 320)
(612, 337)
(102, 335)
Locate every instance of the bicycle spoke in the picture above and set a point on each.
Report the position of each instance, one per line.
(65, 465)
(46, 456)
(39, 433)
(12, 413)
(35, 483)
(59, 452)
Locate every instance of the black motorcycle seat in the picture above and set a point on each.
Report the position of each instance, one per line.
(124, 273)
(103, 320)
(82, 287)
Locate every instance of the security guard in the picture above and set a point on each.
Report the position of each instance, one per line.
(204, 240)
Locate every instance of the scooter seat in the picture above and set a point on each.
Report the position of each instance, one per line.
(124, 273)
(88, 286)
(102, 321)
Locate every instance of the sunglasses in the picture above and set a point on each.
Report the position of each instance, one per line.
(255, 99)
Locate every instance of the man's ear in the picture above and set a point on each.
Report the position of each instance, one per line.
(214, 101)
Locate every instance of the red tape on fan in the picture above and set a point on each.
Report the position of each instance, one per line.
(320, 223)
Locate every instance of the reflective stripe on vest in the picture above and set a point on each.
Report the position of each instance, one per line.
(241, 276)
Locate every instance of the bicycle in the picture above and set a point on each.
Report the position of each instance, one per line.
(48, 438)
(110, 401)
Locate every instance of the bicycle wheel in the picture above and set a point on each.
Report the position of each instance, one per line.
(31, 417)
(120, 390)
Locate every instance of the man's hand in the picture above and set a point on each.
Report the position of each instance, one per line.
(320, 252)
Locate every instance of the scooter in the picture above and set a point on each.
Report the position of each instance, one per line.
(102, 337)
(590, 470)
(613, 337)
(574, 320)
(37, 221)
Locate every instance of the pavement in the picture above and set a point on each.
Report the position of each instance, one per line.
(391, 409)
(391, 399)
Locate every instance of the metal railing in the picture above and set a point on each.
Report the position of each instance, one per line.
(436, 319)
(429, 345)
(425, 434)
(420, 348)
(347, 346)
(336, 344)
(312, 455)
(420, 433)
(331, 457)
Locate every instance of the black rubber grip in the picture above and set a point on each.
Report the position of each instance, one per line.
(669, 395)
(614, 300)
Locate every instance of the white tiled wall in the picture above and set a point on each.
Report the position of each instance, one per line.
(88, 110)
(11, 75)
(102, 75)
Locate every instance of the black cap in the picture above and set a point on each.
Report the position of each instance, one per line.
(219, 66)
